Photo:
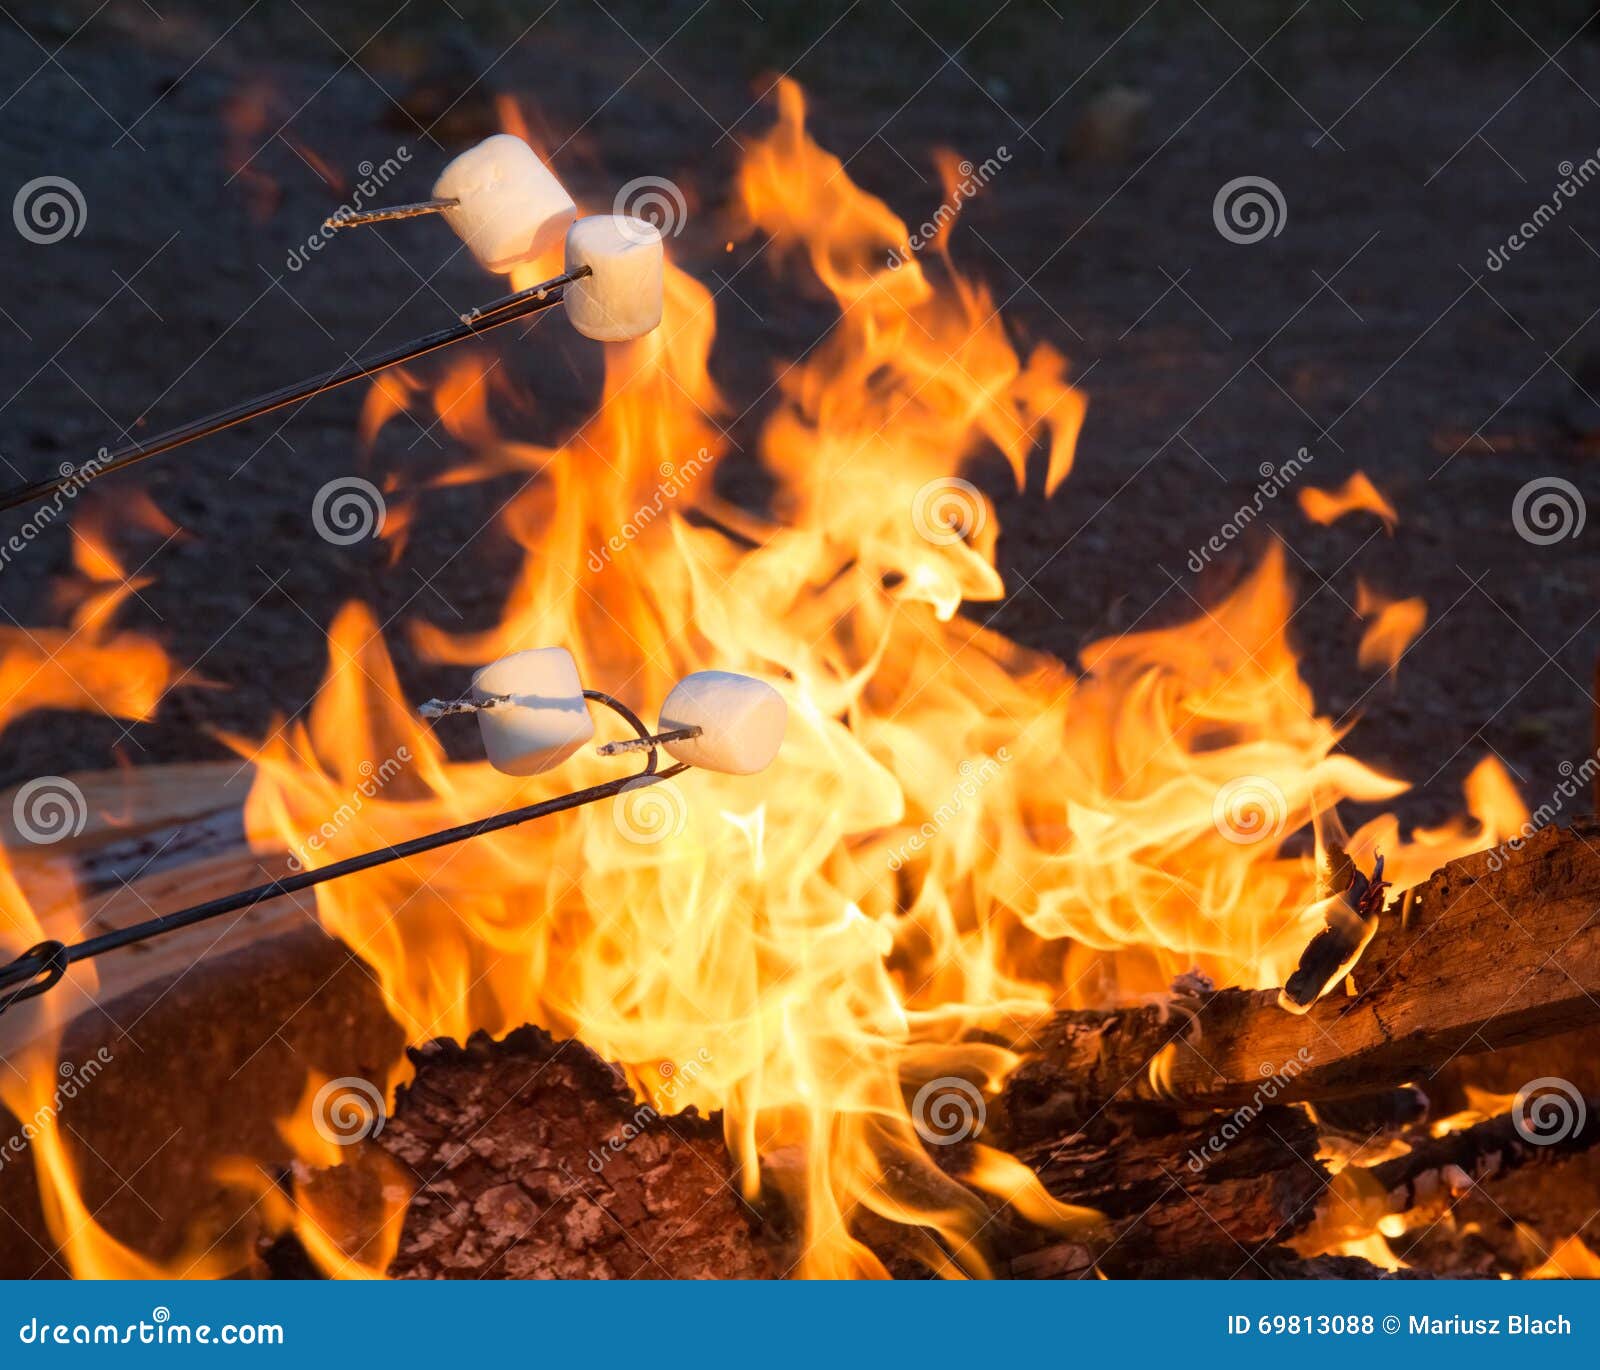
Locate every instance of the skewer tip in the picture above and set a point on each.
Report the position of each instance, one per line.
(354, 218)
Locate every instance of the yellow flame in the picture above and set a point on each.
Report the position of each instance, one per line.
(959, 836)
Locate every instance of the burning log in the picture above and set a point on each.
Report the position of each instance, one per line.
(530, 1158)
(1177, 1199)
(1543, 1127)
(1494, 950)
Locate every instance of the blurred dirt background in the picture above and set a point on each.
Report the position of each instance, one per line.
(1408, 140)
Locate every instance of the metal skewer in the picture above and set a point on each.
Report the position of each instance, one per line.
(533, 292)
(495, 315)
(43, 966)
(355, 218)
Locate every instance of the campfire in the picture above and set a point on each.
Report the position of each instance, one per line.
(923, 953)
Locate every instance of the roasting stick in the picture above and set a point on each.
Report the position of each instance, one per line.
(533, 292)
(355, 218)
(42, 967)
(494, 315)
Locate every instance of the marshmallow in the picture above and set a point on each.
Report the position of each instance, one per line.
(511, 207)
(622, 298)
(741, 721)
(547, 719)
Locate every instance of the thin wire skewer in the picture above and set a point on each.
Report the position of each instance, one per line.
(533, 292)
(644, 744)
(74, 478)
(355, 218)
(479, 704)
(43, 966)
(449, 708)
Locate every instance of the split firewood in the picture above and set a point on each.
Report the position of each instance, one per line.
(1494, 949)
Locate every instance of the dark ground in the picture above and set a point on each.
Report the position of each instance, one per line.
(1406, 143)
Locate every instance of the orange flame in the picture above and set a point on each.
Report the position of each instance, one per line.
(958, 836)
(1391, 626)
(1357, 495)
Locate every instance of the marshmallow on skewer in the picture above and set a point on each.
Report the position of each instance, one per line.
(546, 719)
(741, 722)
(510, 206)
(621, 297)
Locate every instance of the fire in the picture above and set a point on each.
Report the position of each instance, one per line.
(1391, 626)
(960, 835)
(1357, 495)
(85, 668)
(1574, 1259)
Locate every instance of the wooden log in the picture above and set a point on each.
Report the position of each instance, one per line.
(1205, 1197)
(1439, 1169)
(530, 1158)
(1496, 949)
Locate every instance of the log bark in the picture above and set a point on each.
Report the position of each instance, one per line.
(1496, 949)
(530, 1159)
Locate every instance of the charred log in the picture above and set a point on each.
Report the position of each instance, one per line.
(1439, 1169)
(1494, 950)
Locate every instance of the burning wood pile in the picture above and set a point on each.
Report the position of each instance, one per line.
(906, 964)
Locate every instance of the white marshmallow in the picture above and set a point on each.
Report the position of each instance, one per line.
(741, 721)
(547, 719)
(511, 207)
(622, 298)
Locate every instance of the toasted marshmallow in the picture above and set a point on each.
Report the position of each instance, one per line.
(621, 297)
(741, 721)
(546, 720)
(511, 207)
